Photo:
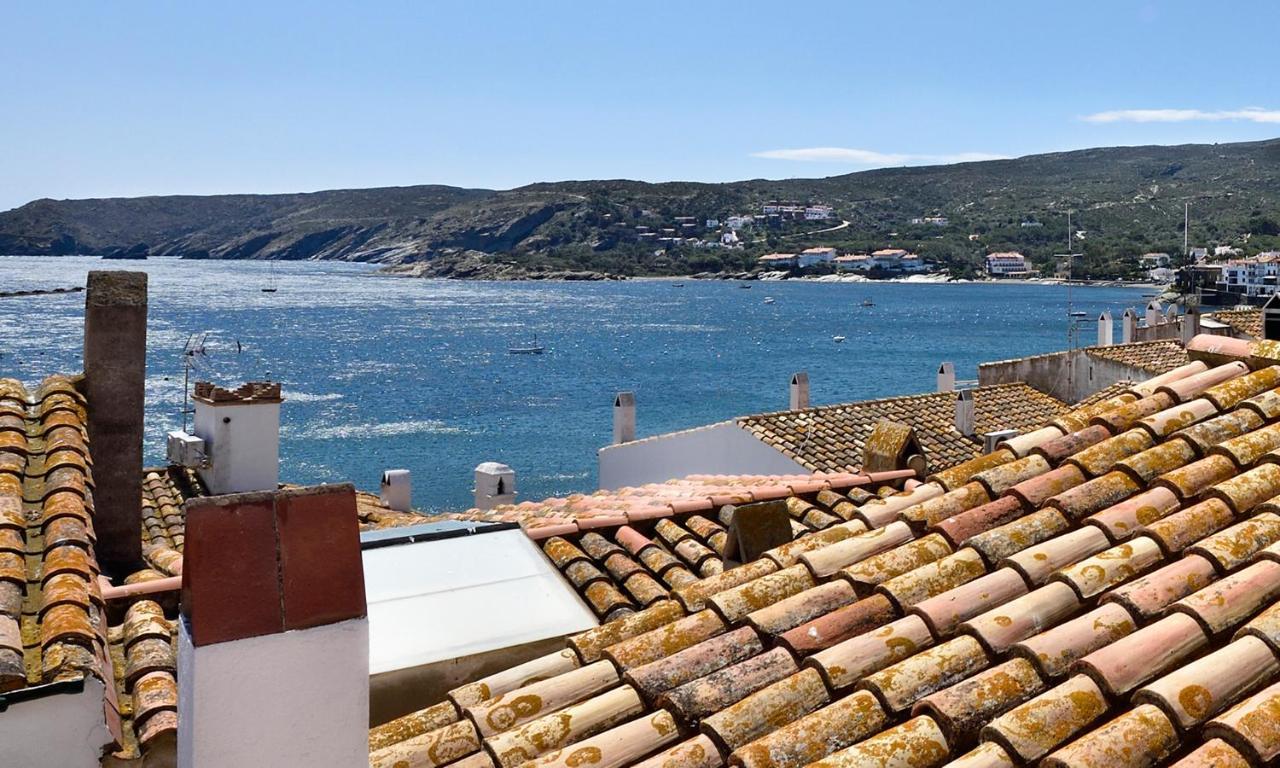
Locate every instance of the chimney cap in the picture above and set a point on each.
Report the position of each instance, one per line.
(624, 399)
(249, 392)
(116, 288)
(800, 378)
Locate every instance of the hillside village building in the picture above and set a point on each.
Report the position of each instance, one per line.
(990, 573)
(1007, 264)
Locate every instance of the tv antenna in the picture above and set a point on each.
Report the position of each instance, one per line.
(196, 358)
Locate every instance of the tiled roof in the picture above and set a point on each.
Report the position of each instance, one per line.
(144, 659)
(1106, 393)
(52, 620)
(164, 489)
(831, 438)
(1104, 590)
(1244, 321)
(1154, 357)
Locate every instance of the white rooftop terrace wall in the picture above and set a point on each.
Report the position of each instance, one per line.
(57, 730)
(718, 449)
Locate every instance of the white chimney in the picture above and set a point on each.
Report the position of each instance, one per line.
(799, 391)
(965, 412)
(1128, 326)
(495, 485)
(1153, 313)
(1105, 329)
(1171, 313)
(946, 377)
(624, 418)
(397, 490)
(241, 433)
(273, 639)
(1190, 324)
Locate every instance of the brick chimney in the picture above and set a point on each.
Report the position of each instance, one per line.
(273, 643)
(115, 373)
(241, 432)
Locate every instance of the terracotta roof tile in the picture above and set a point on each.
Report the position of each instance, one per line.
(1247, 322)
(1150, 356)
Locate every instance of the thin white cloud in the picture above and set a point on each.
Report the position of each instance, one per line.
(851, 156)
(1250, 114)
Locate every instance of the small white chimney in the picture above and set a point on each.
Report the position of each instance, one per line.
(1190, 324)
(799, 391)
(624, 418)
(946, 377)
(1105, 329)
(495, 485)
(1128, 326)
(1171, 313)
(965, 412)
(397, 490)
(1153, 314)
(241, 433)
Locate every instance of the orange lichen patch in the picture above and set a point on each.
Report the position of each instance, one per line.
(1178, 417)
(733, 604)
(816, 735)
(1266, 405)
(694, 596)
(1023, 444)
(620, 745)
(1182, 529)
(558, 730)
(561, 552)
(1191, 386)
(897, 561)
(848, 662)
(1265, 626)
(944, 613)
(1249, 489)
(1091, 576)
(1055, 650)
(878, 513)
(1232, 547)
(1228, 602)
(1033, 729)
(429, 750)
(1125, 416)
(591, 643)
(1098, 459)
(665, 640)
(1035, 491)
(998, 543)
(903, 684)
(1190, 480)
(934, 578)
(964, 708)
(1252, 727)
(412, 724)
(1194, 693)
(788, 554)
(1120, 521)
(949, 504)
(1231, 393)
(1038, 562)
(917, 743)
(1142, 736)
(830, 559)
(1215, 753)
(702, 659)
(767, 709)
(1059, 448)
(1248, 448)
(961, 473)
(999, 479)
(1150, 595)
(800, 608)
(1166, 457)
(838, 625)
(1095, 495)
(1022, 617)
(698, 698)
(1145, 654)
(532, 701)
(1208, 433)
(697, 752)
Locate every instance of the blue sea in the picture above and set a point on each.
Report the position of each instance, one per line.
(383, 372)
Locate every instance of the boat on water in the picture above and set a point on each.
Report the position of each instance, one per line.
(837, 339)
(868, 303)
(744, 285)
(677, 285)
(272, 284)
(531, 348)
(768, 299)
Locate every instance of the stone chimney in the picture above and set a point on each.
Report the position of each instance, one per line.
(946, 377)
(1105, 329)
(273, 643)
(624, 418)
(799, 391)
(495, 485)
(115, 373)
(1128, 326)
(241, 433)
(397, 490)
(965, 413)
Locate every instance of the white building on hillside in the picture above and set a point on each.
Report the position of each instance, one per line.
(1007, 264)
(811, 256)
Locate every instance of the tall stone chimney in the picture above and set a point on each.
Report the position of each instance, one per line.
(799, 391)
(115, 374)
(965, 413)
(1106, 329)
(947, 377)
(241, 433)
(273, 643)
(624, 418)
(1129, 326)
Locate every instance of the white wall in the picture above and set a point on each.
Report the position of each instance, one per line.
(61, 730)
(242, 442)
(723, 448)
(297, 698)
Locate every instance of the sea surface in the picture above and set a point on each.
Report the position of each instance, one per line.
(383, 372)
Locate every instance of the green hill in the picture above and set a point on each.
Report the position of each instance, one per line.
(1126, 200)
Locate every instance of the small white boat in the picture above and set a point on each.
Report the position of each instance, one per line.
(837, 339)
(533, 348)
(768, 299)
(868, 303)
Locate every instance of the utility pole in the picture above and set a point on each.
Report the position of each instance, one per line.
(1186, 230)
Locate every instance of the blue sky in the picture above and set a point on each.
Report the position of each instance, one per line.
(135, 98)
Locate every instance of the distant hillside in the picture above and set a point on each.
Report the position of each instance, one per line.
(1127, 200)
